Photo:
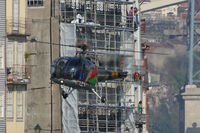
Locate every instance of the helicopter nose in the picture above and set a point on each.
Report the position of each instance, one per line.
(53, 68)
(53, 71)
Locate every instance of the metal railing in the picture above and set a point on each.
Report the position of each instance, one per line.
(19, 74)
(20, 26)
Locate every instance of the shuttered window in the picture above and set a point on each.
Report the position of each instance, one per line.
(1, 56)
(19, 102)
(10, 103)
(9, 53)
(20, 53)
(20, 60)
(15, 15)
(1, 104)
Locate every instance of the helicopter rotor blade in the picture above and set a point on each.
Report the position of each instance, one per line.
(98, 48)
(127, 50)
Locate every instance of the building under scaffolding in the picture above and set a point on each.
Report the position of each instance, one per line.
(105, 26)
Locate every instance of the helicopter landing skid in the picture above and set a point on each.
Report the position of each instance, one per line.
(103, 99)
(66, 94)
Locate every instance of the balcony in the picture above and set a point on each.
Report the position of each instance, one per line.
(18, 27)
(19, 74)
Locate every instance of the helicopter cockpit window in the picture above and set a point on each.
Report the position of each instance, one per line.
(74, 63)
(62, 63)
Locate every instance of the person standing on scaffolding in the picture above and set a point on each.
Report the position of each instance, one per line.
(140, 107)
(130, 17)
(136, 19)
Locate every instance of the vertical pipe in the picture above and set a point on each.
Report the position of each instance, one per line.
(146, 111)
(142, 88)
(97, 120)
(59, 56)
(105, 5)
(51, 91)
(114, 17)
(95, 21)
(116, 103)
(85, 12)
(138, 55)
(106, 115)
(191, 39)
(5, 65)
(87, 125)
(115, 41)
(138, 48)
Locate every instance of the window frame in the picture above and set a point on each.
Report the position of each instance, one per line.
(35, 3)
(10, 52)
(1, 56)
(10, 103)
(20, 105)
(2, 104)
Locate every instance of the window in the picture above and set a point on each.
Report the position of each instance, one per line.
(35, 3)
(15, 25)
(15, 101)
(19, 102)
(14, 54)
(9, 103)
(74, 62)
(20, 53)
(9, 53)
(1, 105)
(1, 56)
(20, 60)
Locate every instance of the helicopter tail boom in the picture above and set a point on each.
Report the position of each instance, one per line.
(110, 75)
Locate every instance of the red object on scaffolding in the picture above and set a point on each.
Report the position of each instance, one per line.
(19, 74)
(10, 80)
(143, 25)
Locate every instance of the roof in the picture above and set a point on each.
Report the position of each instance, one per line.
(156, 45)
(184, 5)
(176, 41)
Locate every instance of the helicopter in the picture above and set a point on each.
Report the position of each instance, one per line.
(79, 72)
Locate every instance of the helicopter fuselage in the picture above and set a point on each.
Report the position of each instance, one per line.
(81, 69)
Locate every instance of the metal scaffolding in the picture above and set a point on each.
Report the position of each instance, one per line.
(106, 27)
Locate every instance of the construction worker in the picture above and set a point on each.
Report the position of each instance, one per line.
(130, 17)
(136, 19)
(140, 107)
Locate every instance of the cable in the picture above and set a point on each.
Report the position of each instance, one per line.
(127, 90)
(100, 48)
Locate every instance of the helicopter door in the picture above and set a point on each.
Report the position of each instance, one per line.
(89, 67)
(73, 67)
(82, 72)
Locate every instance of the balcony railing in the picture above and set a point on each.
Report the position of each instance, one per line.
(18, 27)
(19, 74)
(140, 119)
